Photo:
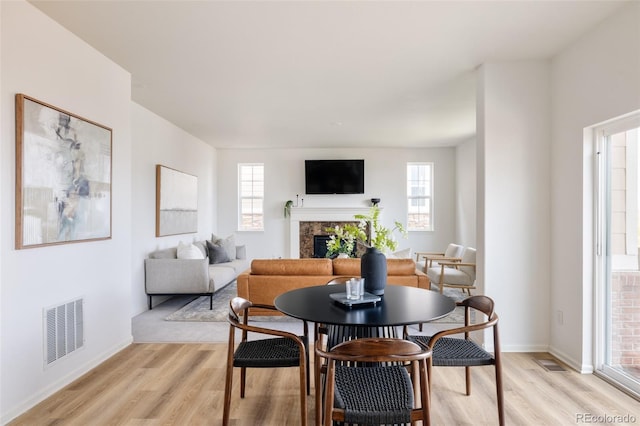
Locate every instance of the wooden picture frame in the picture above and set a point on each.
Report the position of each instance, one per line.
(176, 202)
(63, 176)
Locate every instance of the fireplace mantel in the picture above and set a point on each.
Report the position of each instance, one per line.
(319, 214)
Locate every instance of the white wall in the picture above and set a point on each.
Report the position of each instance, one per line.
(385, 178)
(157, 141)
(466, 188)
(41, 59)
(513, 240)
(595, 79)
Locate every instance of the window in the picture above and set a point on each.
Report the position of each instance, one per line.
(251, 197)
(420, 196)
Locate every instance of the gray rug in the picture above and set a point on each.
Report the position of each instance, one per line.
(198, 309)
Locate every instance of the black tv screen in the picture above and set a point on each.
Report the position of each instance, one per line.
(334, 176)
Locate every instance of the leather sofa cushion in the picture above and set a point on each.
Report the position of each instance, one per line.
(351, 267)
(401, 267)
(291, 267)
(348, 267)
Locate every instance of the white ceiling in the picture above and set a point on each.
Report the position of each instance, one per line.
(249, 74)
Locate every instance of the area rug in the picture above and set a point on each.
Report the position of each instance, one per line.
(198, 309)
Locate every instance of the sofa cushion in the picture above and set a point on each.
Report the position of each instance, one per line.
(351, 267)
(291, 267)
(221, 275)
(217, 254)
(238, 265)
(401, 267)
(451, 276)
(346, 266)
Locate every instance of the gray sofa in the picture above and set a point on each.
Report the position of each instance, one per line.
(166, 275)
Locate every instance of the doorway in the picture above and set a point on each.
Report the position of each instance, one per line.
(617, 284)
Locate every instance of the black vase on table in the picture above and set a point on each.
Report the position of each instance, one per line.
(373, 268)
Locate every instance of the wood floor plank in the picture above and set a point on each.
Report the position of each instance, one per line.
(183, 384)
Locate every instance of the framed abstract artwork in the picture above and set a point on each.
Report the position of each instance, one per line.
(63, 176)
(176, 202)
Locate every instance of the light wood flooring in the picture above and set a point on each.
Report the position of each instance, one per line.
(183, 384)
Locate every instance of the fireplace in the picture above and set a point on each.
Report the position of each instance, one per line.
(315, 234)
(320, 245)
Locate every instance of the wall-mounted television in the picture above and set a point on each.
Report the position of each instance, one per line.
(334, 176)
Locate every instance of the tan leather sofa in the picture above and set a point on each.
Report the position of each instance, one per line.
(268, 278)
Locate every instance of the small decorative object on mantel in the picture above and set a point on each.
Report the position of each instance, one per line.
(375, 201)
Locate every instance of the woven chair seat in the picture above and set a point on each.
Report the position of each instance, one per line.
(374, 395)
(267, 353)
(452, 352)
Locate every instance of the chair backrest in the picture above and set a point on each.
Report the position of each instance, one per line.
(482, 304)
(238, 307)
(469, 256)
(395, 353)
(373, 349)
(453, 250)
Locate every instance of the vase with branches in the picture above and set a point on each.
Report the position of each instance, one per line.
(382, 238)
(373, 262)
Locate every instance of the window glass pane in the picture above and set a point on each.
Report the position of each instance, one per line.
(419, 196)
(251, 193)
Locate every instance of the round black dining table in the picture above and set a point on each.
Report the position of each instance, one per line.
(400, 305)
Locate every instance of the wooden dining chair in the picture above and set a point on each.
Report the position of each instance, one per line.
(329, 335)
(380, 394)
(284, 349)
(464, 352)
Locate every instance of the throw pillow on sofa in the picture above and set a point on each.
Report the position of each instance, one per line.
(188, 251)
(229, 244)
(217, 253)
(402, 254)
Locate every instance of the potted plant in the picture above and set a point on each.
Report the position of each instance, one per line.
(381, 236)
(341, 243)
(373, 264)
(287, 208)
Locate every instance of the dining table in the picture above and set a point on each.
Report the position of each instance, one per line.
(399, 305)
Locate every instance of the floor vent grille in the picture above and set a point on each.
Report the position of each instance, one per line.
(550, 364)
(64, 330)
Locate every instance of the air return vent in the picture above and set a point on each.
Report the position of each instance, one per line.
(64, 330)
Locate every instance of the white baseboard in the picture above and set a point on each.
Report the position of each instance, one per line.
(575, 364)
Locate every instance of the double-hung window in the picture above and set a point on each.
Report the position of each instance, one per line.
(251, 196)
(420, 196)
